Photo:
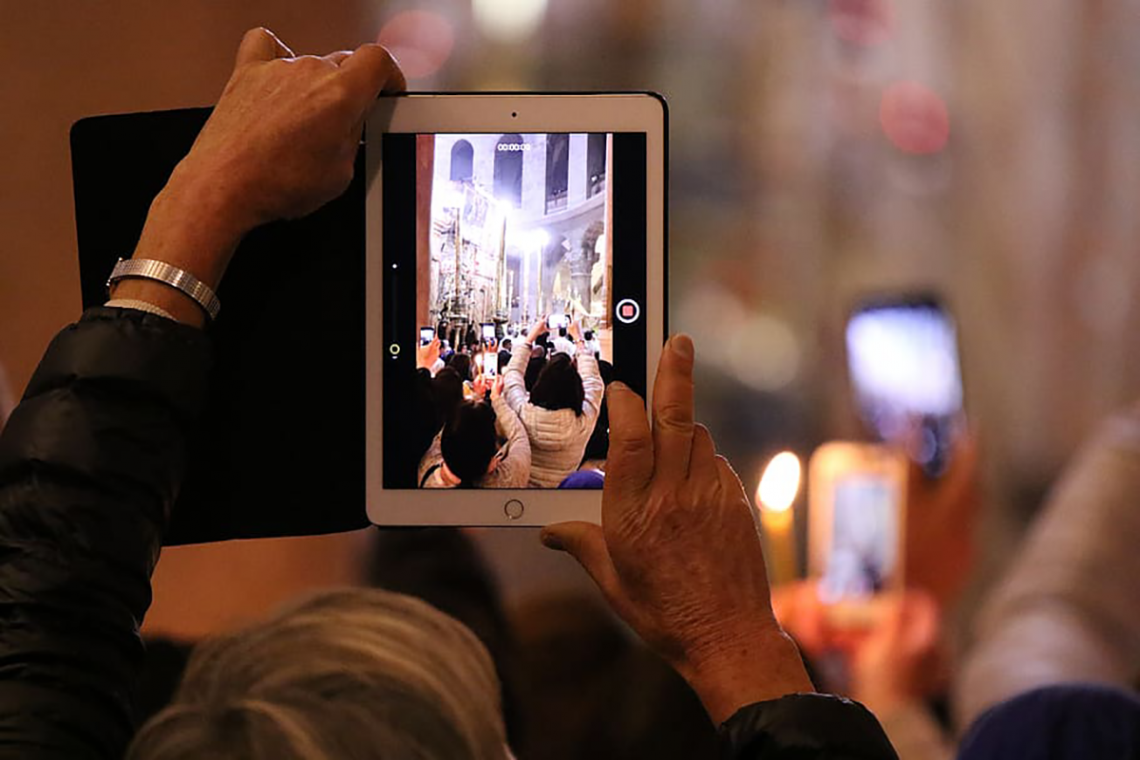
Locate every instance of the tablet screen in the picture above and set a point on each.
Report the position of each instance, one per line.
(509, 230)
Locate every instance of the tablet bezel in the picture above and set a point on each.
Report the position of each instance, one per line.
(425, 113)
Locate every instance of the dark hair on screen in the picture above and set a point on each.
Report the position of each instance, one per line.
(598, 447)
(533, 370)
(461, 363)
(606, 370)
(469, 442)
(559, 386)
(447, 388)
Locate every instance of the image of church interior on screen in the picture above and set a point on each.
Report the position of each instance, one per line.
(513, 272)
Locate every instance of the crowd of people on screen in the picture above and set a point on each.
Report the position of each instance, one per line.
(526, 411)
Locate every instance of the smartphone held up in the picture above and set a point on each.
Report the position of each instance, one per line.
(906, 378)
(857, 505)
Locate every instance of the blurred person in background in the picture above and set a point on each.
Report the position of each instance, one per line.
(560, 410)
(899, 664)
(894, 666)
(593, 691)
(82, 516)
(444, 567)
(331, 676)
(1054, 666)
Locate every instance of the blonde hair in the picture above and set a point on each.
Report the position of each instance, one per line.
(352, 674)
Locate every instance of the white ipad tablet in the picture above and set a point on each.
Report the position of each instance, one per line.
(508, 210)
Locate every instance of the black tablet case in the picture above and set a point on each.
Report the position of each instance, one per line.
(281, 450)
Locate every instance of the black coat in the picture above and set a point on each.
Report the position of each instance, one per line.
(90, 464)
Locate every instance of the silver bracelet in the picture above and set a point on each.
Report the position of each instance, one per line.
(179, 279)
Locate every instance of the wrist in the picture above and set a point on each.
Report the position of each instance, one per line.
(193, 226)
(754, 665)
(196, 222)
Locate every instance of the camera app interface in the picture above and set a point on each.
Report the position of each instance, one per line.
(523, 254)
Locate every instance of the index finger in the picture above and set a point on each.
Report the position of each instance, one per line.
(260, 44)
(370, 70)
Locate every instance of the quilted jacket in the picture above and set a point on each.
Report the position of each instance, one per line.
(558, 438)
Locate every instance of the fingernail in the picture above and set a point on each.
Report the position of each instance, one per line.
(550, 540)
(683, 345)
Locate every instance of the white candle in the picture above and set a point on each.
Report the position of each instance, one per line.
(775, 497)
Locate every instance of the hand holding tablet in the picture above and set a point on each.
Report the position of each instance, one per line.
(668, 500)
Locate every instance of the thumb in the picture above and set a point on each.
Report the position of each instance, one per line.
(260, 44)
(585, 542)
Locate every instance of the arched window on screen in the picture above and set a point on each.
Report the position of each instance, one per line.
(462, 161)
(557, 171)
(595, 164)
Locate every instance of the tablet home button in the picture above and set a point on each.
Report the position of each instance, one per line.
(514, 509)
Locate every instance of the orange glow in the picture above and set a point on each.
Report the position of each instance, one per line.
(914, 118)
(421, 41)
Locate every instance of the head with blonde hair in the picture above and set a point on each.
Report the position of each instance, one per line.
(354, 674)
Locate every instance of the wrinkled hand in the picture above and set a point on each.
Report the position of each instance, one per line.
(280, 143)
(678, 555)
(427, 356)
(283, 138)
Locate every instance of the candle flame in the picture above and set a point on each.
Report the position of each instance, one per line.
(780, 483)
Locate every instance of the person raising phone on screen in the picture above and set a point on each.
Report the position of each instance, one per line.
(561, 408)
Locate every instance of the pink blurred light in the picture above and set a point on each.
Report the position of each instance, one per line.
(421, 41)
(862, 22)
(914, 118)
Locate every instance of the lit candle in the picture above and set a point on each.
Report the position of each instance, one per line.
(779, 486)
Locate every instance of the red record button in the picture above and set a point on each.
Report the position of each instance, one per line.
(628, 311)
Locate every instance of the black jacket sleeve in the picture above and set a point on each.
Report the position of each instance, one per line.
(805, 727)
(90, 464)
